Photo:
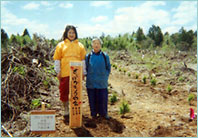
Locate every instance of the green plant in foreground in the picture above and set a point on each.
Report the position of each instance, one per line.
(144, 79)
(181, 78)
(191, 97)
(48, 105)
(129, 74)
(45, 83)
(49, 70)
(169, 88)
(120, 70)
(115, 66)
(124, 71)
(136, 76)
(153, 81)
(35, 103)
(20, 70)
(124, 108)
(113, 98)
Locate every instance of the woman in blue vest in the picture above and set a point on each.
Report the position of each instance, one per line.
(98, 69)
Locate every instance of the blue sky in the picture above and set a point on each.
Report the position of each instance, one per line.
(92, 18)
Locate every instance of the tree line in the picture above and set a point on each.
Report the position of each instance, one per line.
(183, 40)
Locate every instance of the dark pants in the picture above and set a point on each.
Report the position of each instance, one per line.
(98, 100)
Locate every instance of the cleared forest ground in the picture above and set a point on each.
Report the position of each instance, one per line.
(155, 111)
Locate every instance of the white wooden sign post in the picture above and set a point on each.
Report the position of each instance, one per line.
(75, 94)
(43, 121)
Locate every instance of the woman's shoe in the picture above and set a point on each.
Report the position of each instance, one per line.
(94, 117)
(106, 117)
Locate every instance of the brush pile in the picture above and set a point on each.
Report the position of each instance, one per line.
(24, 71)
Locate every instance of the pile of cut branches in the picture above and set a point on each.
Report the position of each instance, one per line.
(24, 70)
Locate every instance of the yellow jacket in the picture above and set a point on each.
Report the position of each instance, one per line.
(67, 51)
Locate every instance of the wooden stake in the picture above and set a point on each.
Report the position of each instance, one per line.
(43, 109)
(43, 106)
(75, 95)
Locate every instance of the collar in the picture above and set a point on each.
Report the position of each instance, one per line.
(68, 41)
(98, 53)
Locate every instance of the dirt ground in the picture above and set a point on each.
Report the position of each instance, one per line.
(154, 112)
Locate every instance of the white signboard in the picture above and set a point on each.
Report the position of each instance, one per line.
(41, 121)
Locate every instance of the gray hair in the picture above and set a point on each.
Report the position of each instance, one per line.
(96, 39)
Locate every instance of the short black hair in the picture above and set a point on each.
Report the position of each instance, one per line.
(68, 27)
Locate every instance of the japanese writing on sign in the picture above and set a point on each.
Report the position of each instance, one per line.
(42, 122)
(76, 80)
(74, 87)
(75, 118)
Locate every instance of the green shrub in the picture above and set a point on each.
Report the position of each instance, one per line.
(48, 105)
(124, 70)
(49, 70)
(153, 81)
(113, 98)
(120, 69)
(20, 70)
(114, 66)
(124, 108)
(35, 103)
(45, 82)
(191, 97)
(136, 76)
(181, 79)
(144, 79)
(169, 88)
(129, 74)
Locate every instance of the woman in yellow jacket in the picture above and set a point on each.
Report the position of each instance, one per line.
(67, 50)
